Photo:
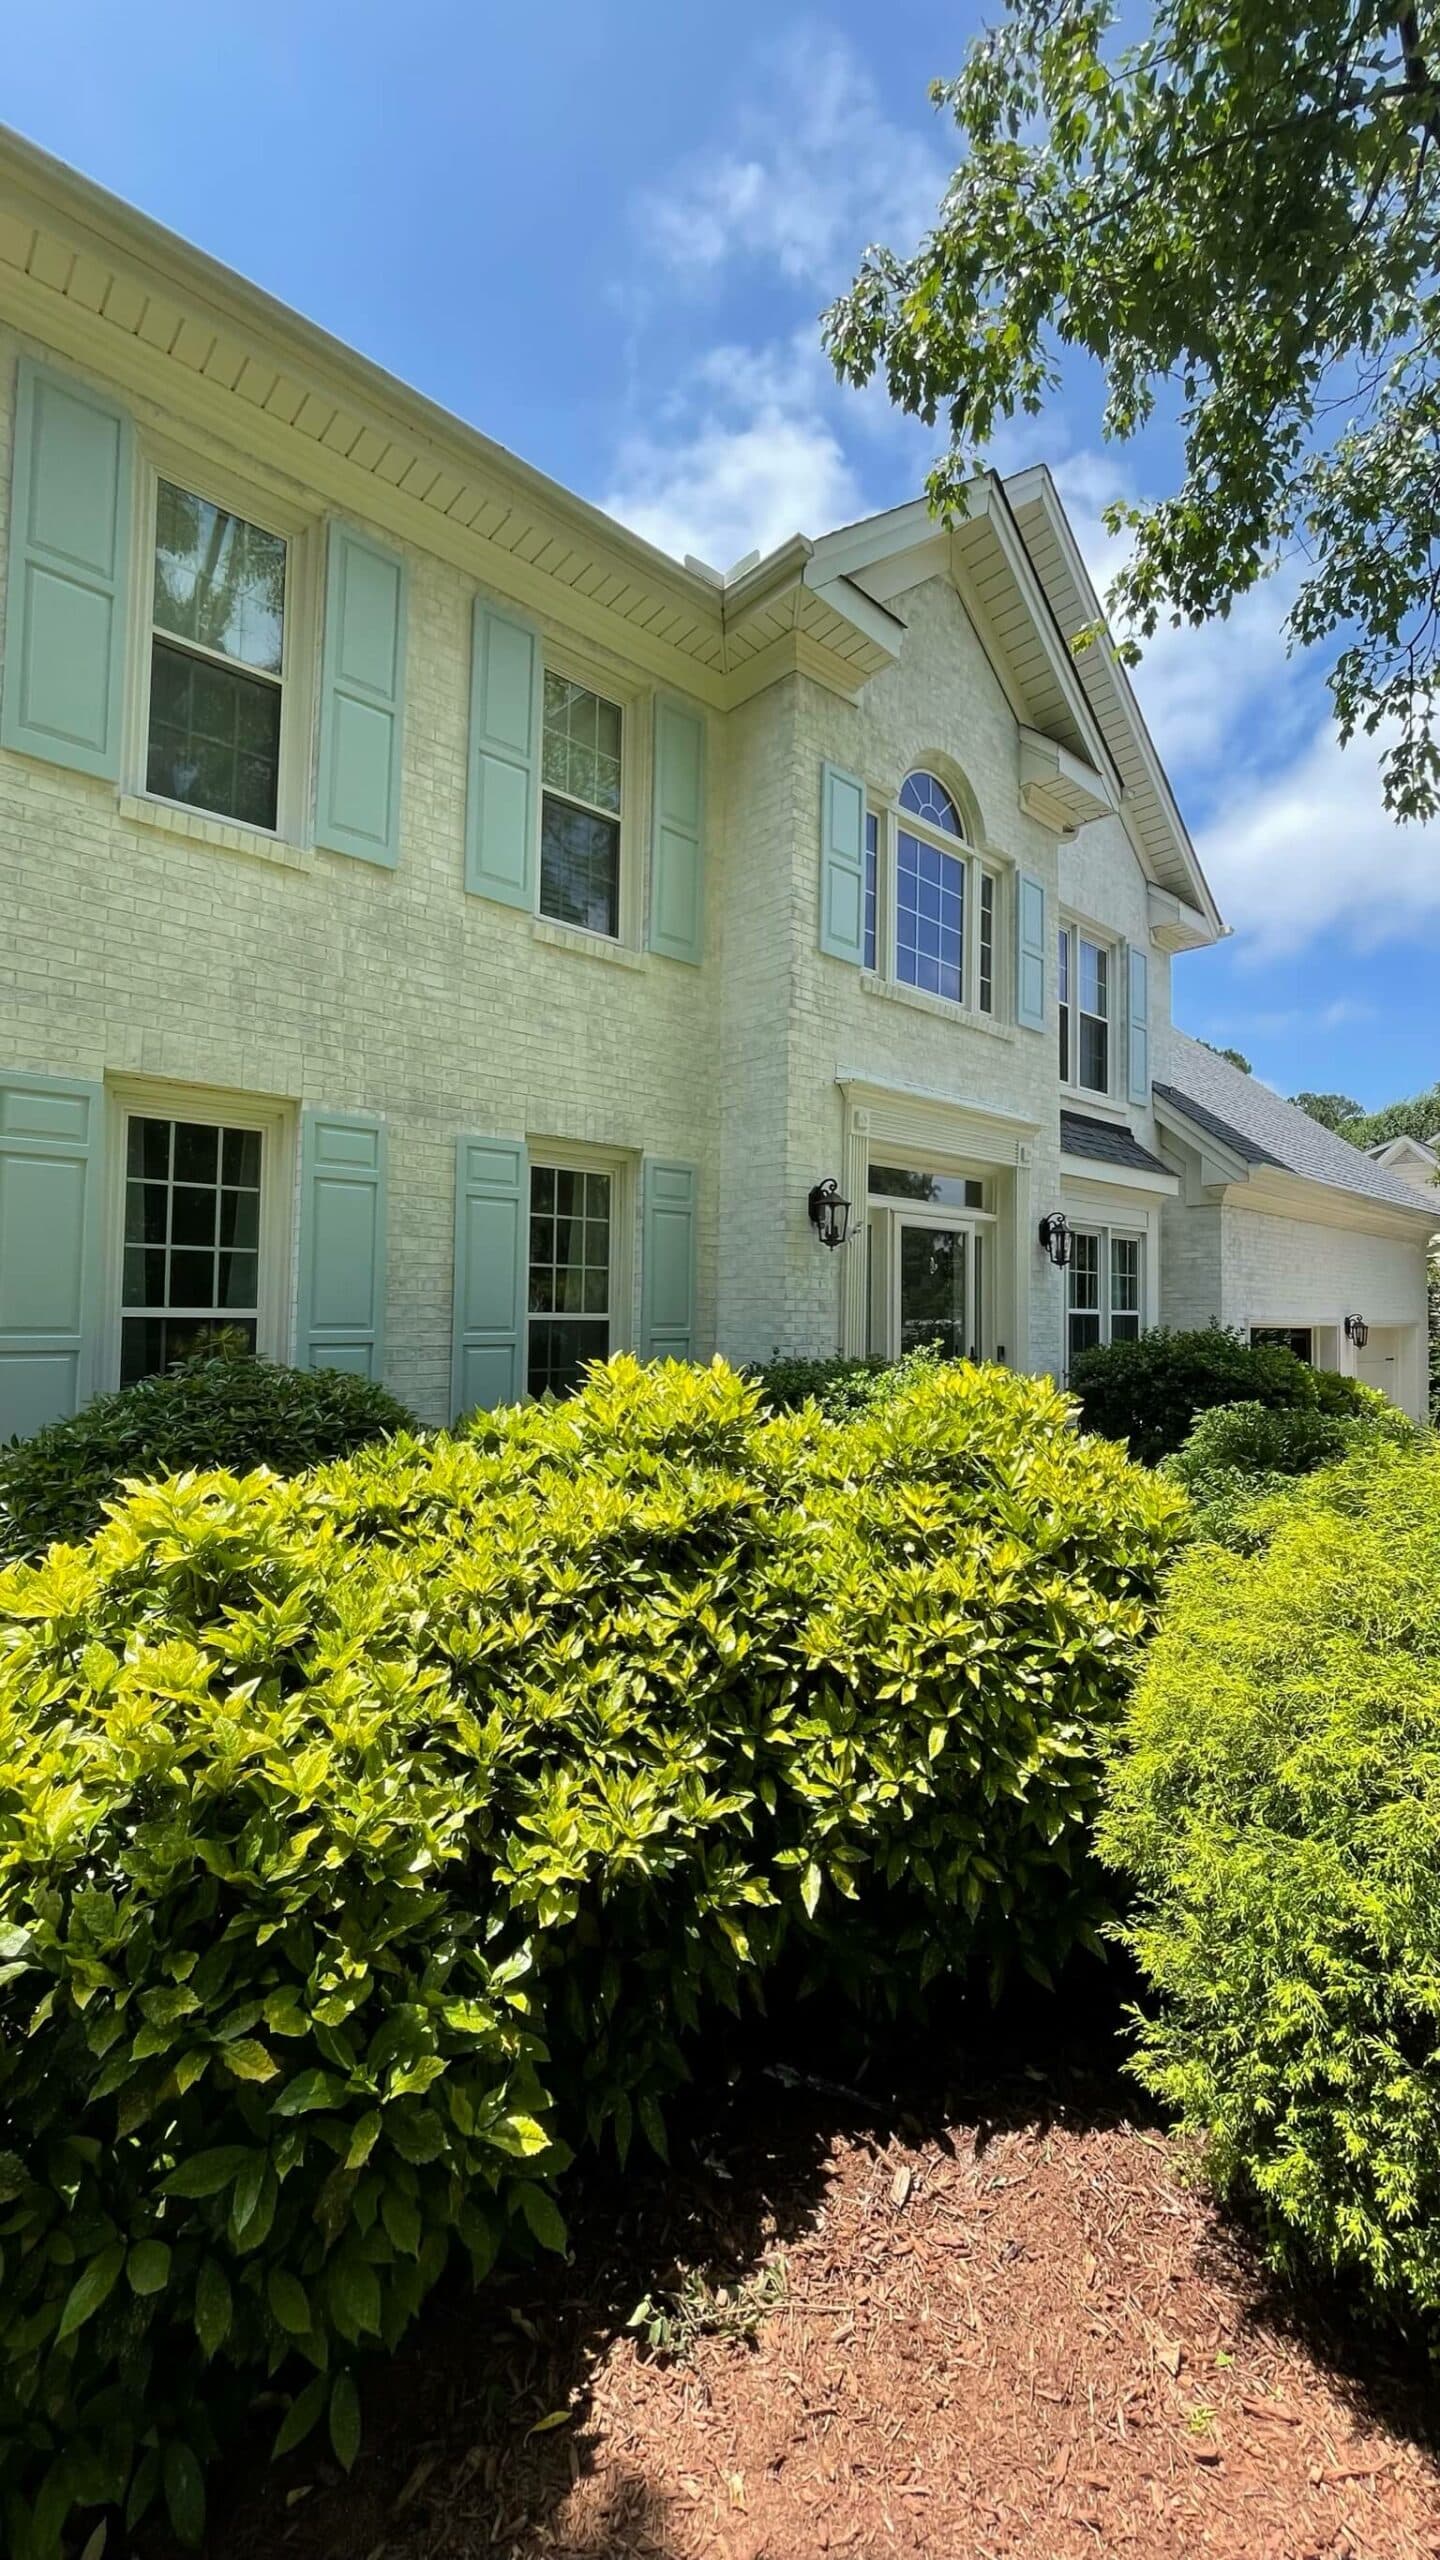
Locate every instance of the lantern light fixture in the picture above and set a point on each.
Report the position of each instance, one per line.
(1055, 1237)
(829, 1213)
(1357, 1331)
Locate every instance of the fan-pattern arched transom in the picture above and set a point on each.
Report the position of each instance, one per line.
(926, 798)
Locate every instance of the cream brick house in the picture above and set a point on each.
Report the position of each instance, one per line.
(449, 939)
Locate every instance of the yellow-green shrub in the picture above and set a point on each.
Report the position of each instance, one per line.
(1275, 1798)
(367, 1839)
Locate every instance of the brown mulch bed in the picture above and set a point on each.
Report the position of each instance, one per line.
(1004, 2326)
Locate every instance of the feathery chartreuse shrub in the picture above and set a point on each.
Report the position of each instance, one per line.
(1275, 1800)
(369, 1841)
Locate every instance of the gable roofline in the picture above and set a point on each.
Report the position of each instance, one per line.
(1158, 830)
(1249, 1132)
(1385, 1150)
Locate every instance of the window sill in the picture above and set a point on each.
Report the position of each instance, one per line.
(1102, 1106)
(592, 946)
(919, 1000)
(219, 833)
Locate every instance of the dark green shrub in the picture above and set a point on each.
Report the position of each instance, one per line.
(1275, 1801)
(224, 1411)
(1148, 1392)
(840, 1387)
(1259, 1440)
(365, 1839)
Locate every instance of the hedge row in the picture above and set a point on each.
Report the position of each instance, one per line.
(369, 1841)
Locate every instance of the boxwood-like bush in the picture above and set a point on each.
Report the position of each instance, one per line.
(1149, 1392)
(1275, 1800)
(226, 1411)
(369, 1840)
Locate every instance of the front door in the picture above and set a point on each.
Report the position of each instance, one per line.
(936, 1281)
(1378, 1365)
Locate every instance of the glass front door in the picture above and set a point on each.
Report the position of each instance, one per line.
(937, 1288)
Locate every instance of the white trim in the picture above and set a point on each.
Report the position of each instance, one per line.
(154, 1098)
(567, 1155)
(1120, 1177)
(1100, 939)
(634, 700)
(158, 458)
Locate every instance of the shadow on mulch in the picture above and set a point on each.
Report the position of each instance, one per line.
(457, 2456)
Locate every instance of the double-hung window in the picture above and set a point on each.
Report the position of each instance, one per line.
(940, 898)
(572, 1266)
(192, 1238)
(1104, 1288)
(1086, 974)
(217, 659)
(580, 807)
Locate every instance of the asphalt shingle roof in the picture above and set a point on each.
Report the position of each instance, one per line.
(1106, 1142)
(1259, 1126)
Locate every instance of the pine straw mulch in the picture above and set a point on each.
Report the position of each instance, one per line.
(990, 2320)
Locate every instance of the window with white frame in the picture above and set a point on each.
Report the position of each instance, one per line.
(580, 807)
(940, 898)
(192, 1238)
(572, 1265)
(217, 659)
(1086, 980)
(1104, 1287)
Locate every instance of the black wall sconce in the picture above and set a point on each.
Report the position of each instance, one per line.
(829, 1213)
(1357, 1331)
(1055, 1237)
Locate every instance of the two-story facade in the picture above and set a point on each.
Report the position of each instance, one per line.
(445, 937)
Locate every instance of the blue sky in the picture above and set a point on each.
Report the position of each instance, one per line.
(604, 236)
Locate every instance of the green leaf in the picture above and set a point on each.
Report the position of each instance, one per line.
(810, 1884)
(306, 2093)
(247, 2059)
(522, 2136)
(345, 2420)
(214, 2308)
(354, 2291)
(209, 2171)
(544, 2217)
(184, 2493)
(301, 2415)
(289, 2301)
(363, 2139)
(91, 2289)
(148, 2266)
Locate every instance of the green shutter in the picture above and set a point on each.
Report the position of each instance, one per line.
(362, 700)
(51, 1137)
(667, 1280)
(677, 862)
(492, 1205)
(65, 624)
(341, 1318)
(501, 834)
(842, 863)
(1030, 952)
(1138, 1023)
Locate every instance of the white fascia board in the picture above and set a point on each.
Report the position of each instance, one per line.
(1118, 1177)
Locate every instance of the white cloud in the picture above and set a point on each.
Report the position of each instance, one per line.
(814, 173)
(1308, 850)
(742, 454)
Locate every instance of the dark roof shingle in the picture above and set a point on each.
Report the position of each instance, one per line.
(1262, 1128)
(1106, 1142)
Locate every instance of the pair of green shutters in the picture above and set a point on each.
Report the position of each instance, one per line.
(52, 1208)
(502, 831)
(67, 620)
(842, 923)
(67, 616)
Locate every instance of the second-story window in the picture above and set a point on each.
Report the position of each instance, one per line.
(580, 808)
(216, 660)
(1085, 990)
(872, 888)
(930, 890)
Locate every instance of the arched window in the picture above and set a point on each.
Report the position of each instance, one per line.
(927, 799)
(930, 886)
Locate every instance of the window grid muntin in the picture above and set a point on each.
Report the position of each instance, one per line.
(570, 1290)
(190, 1251)
(1104, 1297)
(249, 684)
(926, 798)
(871, 929)
(929, 917)
(581, 771)
(1084, 969)
(985, 957)
(1125, 1308)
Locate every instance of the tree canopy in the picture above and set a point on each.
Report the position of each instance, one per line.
(1233, 217)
